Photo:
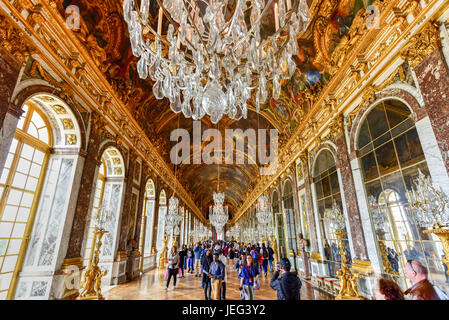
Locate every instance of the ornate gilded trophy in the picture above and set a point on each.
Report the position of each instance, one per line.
(348, 279)
(91, 286)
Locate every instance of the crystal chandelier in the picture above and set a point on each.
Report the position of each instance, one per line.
(216, 52)
(335, 218)
(378, 214)
(429, 206)
(263, 214)
(218, 214)
(173, 218)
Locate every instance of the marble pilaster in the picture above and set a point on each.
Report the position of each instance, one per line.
(350, 198)
(433, 79)
(85, 194)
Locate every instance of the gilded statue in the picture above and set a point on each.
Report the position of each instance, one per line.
(163, 254)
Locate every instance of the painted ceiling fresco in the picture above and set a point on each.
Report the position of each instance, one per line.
(105, 34)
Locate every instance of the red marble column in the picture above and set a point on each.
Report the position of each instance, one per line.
(433, 80)
(156, 212)
(352, 207)
(9, 74)
(87, 184)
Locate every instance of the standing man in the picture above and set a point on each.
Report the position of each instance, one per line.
(422, 289)
(270, 257)
(197, 252)
(288, 286)
(217, 274)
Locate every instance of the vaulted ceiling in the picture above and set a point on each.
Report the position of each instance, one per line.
(105, 34)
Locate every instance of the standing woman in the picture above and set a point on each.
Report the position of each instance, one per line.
(173, 260)
(248, 276)
(206, 260)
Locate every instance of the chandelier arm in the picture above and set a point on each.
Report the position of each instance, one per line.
(196, 28)
(254, 25)
(164, 40)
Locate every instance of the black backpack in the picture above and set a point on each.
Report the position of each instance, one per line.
(265, 253)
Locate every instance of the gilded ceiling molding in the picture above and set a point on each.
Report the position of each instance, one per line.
(421, 45)
(364, 43)
(14, 40)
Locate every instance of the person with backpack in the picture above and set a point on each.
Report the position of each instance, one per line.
(265, 260)
(288, 286)
(270, 257)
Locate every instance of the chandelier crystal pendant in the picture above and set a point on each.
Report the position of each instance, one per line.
(216, 52)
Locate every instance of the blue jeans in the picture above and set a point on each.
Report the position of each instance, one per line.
(264, 266)
(190, 264)
(270, 264)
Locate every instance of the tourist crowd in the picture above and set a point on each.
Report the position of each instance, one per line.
(209, 259)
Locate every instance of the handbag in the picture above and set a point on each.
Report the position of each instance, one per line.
(180, 272)
(166, 274)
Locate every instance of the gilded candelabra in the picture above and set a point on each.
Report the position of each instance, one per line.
(348, 279)
(163, 255)
(430, 208)
(91, 286)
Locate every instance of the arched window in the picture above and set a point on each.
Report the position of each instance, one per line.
(146, 234)
(108, 194)
(161, 220)
(390, 154)
(20, 185)
(289, 215)
(327, 191)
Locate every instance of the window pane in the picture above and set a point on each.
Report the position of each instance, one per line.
(409, 148)
(5, 229)
(27, 152)
(14, 197)
(386, 158)
(369, 167)
(19, 180)
(4, 176)
(35, 170)
(38, 157)
(364, 137)
(396, 112)
(3, 245)
(14, 246)
(9, 213)
(27, 200)
(377, 121)
(9, 264)
(31, 184)
(32, 131)
(23, 215)
(326, 186)
(23, 166)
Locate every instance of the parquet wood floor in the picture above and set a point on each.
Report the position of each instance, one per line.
(151, 286)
